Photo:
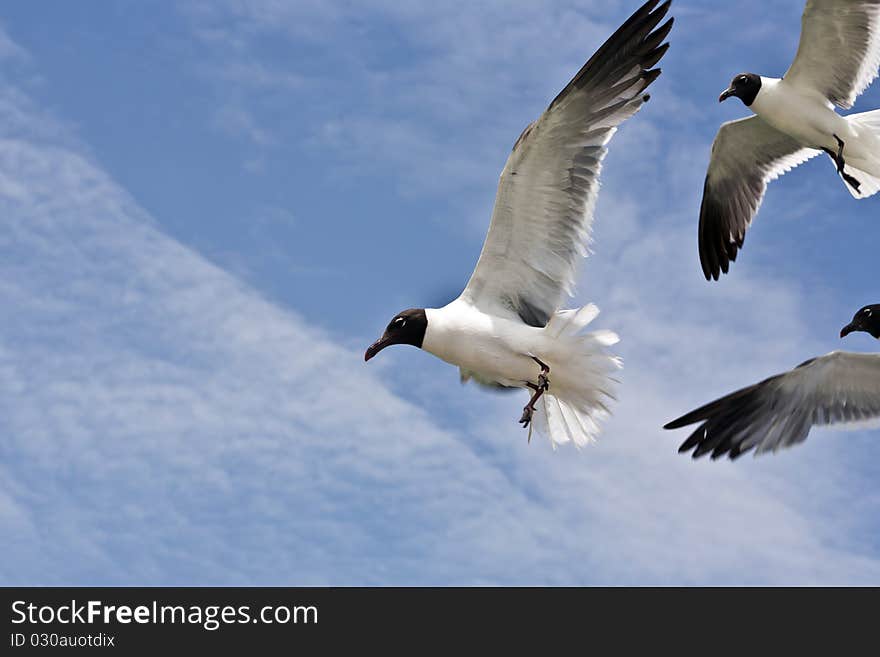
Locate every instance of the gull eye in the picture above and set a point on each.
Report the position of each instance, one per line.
(743, 79)
(867, 311)
(396, 323)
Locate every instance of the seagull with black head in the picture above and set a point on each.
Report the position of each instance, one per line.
(506, 329)
(795, 120)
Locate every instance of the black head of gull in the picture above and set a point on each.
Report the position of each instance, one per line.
(407, 327)
(866, 320)
(744, 86)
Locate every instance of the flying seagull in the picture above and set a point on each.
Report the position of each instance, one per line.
(795, 120)
(779, 412)
(506, 328)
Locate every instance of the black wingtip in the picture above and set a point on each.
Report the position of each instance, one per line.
(726, 422)
(692, 441)
(711, 271)
(655, 56)
(688, 444)
(650, 76)
(664, 29)
(664, 7)
(637, 38)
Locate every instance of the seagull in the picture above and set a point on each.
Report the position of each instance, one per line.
(506, 328)
(795, 120)
(840, 387)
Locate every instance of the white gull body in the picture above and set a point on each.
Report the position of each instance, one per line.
(499, 351)
(809, 117)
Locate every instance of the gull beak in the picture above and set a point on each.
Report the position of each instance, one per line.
(376, 347)
(727, 93)
(849, 328)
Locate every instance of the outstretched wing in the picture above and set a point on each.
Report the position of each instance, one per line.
(548, 188)
(839, 51)
(746, 155)
(780, 411)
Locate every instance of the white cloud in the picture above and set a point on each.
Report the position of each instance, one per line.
(238, 122)
(423, 101)
(10, 50)
(165, 424)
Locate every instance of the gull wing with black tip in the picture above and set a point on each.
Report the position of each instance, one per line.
(778, 412)
(544, 205)
(746, 155)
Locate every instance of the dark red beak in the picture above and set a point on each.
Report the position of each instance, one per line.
(849, 328)
(376, 347)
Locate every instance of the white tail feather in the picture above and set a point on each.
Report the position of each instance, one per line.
(869, 180)
(869, 185)
(870, 119)
(581, 380)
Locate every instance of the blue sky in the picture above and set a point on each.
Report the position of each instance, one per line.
(209, 209)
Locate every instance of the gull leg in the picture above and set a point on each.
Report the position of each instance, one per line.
(537, 390)
(853, 182)
(839, 158)
(841, 162)
(543, 381)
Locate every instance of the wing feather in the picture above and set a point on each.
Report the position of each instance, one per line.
(746, 155)
(544, 205)
(839, 50)
(779, 412)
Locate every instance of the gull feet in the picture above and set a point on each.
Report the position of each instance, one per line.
(839, 158)
(853, 182)
(526, 418)
(841, 162)
(543, 382)
(542, 386)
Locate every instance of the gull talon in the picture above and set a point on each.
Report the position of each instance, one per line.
(853, 182)
(840, 162)
(542, 386)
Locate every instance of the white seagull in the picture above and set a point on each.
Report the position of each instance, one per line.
(840, 387)
(506, 329)
(838, 57)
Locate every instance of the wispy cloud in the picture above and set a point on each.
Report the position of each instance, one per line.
(237, 122)
(406, 109)
(9, 49)
(164, 423)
